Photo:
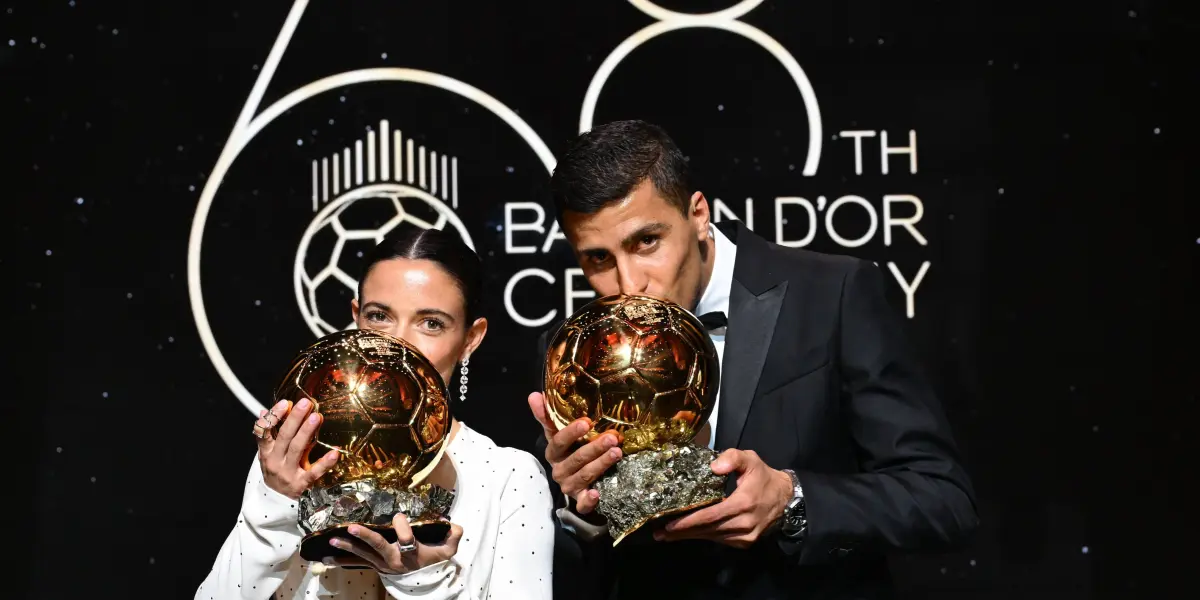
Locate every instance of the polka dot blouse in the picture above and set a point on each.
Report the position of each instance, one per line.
(501, 501)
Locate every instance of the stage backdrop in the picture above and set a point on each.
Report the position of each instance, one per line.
(204, 179)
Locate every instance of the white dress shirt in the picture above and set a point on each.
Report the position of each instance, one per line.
(501, 500)
(714, 299)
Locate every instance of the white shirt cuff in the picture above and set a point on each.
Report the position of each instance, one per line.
(576, 525)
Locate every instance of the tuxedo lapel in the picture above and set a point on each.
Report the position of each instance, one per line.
(755, 299)
(747, 339)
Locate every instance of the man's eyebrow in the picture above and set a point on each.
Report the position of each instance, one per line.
(645, 230)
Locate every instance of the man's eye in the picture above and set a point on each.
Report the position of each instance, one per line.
(598, 257)
(649, 241)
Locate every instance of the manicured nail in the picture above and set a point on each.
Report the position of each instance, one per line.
(659, 536)
(329, 561)
(280, 405)
(303, 404)
(615, 453)
(314, 418)
(335, 542)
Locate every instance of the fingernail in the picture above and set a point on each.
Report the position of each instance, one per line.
(303, 404)
(658, 536)
(615, 453)
(593, 494)
(313, 419)
(335, 542)
(329, 561)
(280, 404)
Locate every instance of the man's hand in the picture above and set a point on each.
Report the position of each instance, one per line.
(575, 471)
(750, 511)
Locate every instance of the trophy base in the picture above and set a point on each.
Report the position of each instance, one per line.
(649, 486)
(327, 512)
(315, 546)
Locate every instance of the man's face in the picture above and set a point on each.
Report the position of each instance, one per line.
(643, 244)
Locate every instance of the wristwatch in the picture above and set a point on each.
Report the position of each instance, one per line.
(794, 523)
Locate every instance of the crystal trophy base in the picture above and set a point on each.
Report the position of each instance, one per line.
(649, 485)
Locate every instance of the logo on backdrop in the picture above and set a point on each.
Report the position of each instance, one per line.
(362, 191)
(394, 182)
(340, 198)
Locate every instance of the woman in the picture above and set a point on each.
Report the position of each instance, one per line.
(422, 286)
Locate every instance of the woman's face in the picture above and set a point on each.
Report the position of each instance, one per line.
(420, 303)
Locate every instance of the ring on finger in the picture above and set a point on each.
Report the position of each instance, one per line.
(271, 419)
(404, 548)
(260, 432)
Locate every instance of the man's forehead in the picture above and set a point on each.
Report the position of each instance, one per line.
(619, 219)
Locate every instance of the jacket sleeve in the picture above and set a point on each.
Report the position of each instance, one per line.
(912, 493)
(262, 550)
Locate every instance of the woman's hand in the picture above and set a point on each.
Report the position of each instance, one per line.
(283, 452)
(404, 556)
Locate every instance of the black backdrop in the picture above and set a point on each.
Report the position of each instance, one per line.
(1057, 248)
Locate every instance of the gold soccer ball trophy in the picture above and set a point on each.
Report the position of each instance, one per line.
(645, 368)
(385, 411)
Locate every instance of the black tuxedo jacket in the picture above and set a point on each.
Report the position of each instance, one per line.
(816, 377)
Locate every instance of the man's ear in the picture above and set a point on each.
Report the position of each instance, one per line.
(699, 213)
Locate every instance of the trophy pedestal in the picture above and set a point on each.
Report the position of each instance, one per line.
(328, 512)
(654, 486)
(315, 546)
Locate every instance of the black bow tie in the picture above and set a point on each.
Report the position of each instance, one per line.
(713, 320)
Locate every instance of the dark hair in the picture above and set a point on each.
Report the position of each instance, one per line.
(603, 165)
(444, 248)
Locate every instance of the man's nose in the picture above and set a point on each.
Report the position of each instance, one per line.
(631, 280)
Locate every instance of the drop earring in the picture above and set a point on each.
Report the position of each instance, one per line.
(462, 388)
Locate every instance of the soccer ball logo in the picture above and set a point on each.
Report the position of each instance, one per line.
(383, 404)
(639, 365)
(332, 250)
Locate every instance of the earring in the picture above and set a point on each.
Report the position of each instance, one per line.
(462, 388)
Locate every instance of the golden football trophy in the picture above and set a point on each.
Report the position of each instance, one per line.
(385, 411)
(645, 368)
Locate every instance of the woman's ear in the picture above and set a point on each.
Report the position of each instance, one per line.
(475, 337)
(354, 308)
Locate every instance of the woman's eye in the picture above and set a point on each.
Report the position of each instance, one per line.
(376, 317)
(433, 324)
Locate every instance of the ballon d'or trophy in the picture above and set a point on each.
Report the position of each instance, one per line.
(384, 409)
(645, 368)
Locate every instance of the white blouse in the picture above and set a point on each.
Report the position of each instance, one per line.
(501, 500)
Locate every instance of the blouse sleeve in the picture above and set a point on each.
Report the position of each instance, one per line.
(261, 551)
(524, 553)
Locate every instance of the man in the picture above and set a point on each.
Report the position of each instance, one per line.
(836, 449)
